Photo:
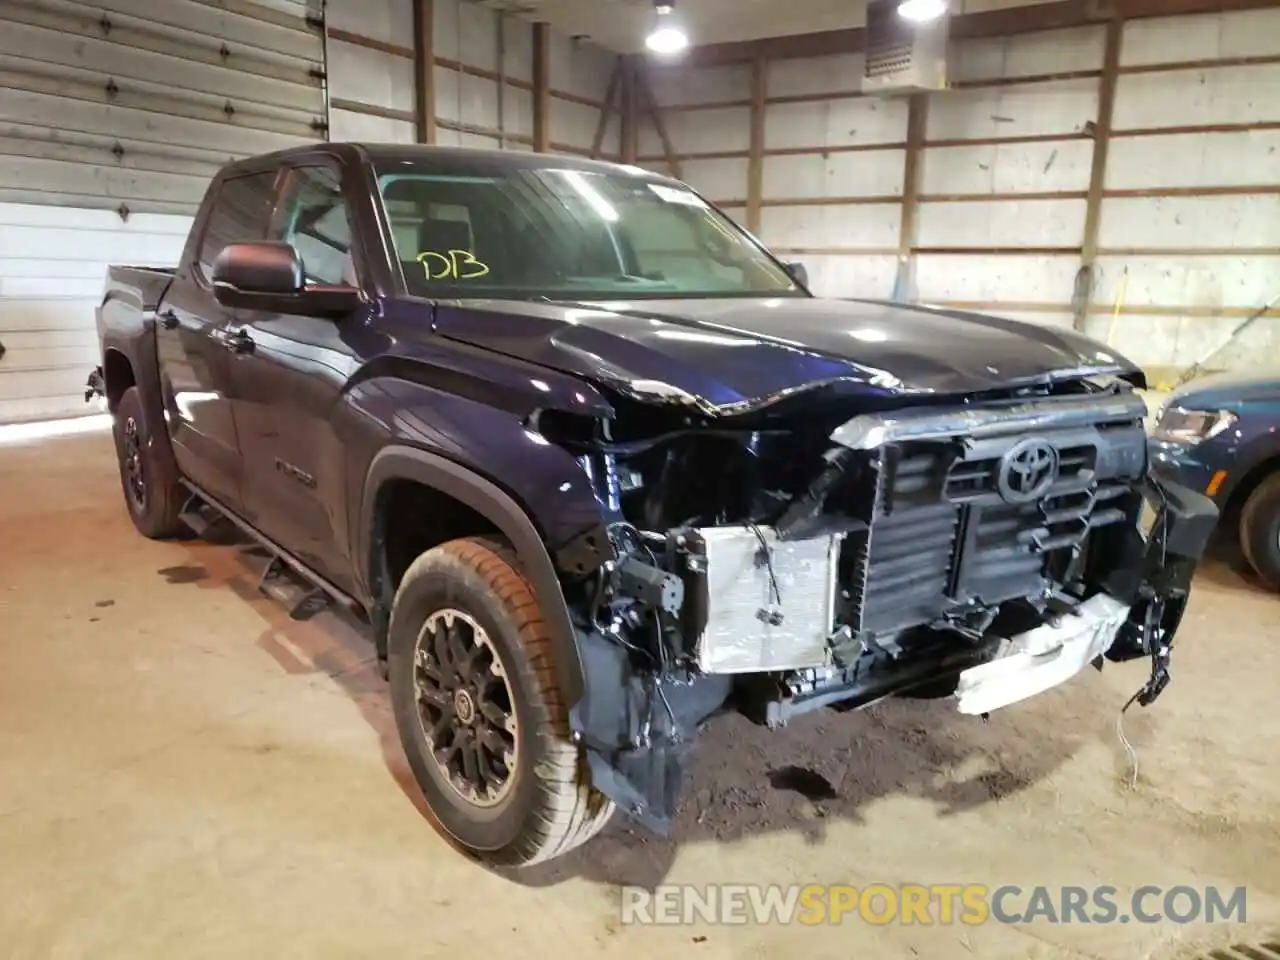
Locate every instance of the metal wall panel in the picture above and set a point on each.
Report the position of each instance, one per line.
(113, 116)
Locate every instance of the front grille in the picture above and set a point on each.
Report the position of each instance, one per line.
(974, 478)
(941, 537)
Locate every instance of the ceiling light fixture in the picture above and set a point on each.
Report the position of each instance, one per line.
(922, 11)
(667, 37)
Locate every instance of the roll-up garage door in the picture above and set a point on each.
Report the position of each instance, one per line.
(114, 114)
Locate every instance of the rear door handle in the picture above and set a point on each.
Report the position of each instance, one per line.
(239, 341)
(169, 320)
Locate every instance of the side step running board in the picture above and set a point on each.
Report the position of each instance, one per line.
(304, 599)
(282, 585)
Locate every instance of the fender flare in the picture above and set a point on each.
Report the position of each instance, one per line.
(492, 502)
(142, 355)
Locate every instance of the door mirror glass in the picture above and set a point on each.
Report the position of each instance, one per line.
(269, 276)
(798, 273)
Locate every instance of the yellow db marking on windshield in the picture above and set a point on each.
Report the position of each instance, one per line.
(454, 265)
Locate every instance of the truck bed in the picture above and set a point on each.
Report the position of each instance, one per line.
(130, 298)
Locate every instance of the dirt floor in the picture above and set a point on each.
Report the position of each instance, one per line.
(185, 772)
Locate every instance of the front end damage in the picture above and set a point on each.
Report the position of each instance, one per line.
(796, 557)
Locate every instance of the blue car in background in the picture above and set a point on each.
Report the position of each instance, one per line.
(1221, 435)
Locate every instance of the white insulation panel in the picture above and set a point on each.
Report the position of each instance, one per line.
(1002, 223)
(867, 277)
(1027, 55)
(1007, 278)
(872, 173)
(1173, 223)
(1053, 166)
(848, 121)
(1018, 110)
(1243, 33)
(846, 225)
(1205, 96)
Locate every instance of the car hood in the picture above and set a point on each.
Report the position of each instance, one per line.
(726, 355)
(1228, 390)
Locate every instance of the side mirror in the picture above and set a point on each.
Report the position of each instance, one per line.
(798, 273)
(269, 276)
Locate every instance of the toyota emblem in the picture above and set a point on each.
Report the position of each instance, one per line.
(1027, 471)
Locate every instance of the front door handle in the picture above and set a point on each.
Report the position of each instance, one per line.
(239, 341)
(169, 320)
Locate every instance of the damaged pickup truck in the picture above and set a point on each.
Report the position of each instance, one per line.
(594, 466)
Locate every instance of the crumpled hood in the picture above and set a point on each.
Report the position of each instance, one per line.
(730, 353)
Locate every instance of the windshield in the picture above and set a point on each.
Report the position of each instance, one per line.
(564, 234)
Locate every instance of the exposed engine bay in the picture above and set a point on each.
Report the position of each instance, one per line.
(801, 557)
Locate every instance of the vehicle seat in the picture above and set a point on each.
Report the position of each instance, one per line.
(441, 236)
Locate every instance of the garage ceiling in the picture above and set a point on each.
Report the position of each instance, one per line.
(622, 24)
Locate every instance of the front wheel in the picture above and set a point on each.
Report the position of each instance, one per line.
(1260, 531)
(480, 715)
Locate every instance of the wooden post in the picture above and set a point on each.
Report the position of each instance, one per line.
(655, 111)
(912, 166)
(424, 67)
(541, 88)
(630, 116)
(1083, 294)
(606, 108)
(755, 155)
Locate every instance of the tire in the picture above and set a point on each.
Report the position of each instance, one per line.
(148, 475)
(1260, 531)
(544, 806)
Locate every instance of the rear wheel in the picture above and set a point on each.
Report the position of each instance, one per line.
(148, 475)
(478, 709)
(1260, 531)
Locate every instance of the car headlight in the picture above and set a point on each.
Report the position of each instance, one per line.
(1179, 425)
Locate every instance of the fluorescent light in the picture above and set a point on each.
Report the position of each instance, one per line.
(666, 38)
(921, 11)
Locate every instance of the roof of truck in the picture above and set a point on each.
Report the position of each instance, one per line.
(383, 153)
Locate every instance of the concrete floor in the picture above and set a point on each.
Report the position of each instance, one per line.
(185, 772)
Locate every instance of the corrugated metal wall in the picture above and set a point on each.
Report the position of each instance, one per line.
(113, 115)
(1189, 208)
(478, 49)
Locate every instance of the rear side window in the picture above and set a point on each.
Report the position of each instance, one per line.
(241, 214)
